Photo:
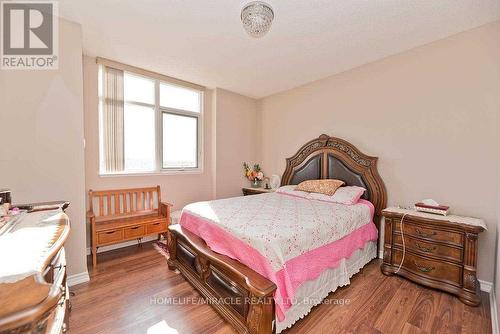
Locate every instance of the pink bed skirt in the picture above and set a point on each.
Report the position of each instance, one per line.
(307, 266)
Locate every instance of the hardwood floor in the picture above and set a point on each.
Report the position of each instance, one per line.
(132, 291)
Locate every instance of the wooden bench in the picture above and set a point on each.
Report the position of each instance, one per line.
(126, 214)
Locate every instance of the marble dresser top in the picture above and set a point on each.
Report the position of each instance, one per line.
(451, 218)
(27, 244)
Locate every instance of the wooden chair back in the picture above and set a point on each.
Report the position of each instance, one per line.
(125, 202)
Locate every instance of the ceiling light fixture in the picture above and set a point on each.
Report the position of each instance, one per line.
(257, 17)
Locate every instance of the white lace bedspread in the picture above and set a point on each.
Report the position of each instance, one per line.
(282, 227)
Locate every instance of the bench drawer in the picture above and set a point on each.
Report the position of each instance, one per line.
(109, 236)
(156, 227)
(134, 231)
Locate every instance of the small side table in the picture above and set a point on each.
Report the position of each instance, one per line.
(433, 250)
(256, 191)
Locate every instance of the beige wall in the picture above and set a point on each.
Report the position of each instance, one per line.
(431, 115)
(236, 141)
(41, 121)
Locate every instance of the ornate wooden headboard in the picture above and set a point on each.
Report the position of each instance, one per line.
(334, 158)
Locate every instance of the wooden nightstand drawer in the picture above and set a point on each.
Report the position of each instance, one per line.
(433, 269)
(429, 248)
(110, 236)
(428, 233)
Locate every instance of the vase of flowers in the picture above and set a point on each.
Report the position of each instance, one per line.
(254, 175)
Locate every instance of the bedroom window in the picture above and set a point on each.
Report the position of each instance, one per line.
(147, 124)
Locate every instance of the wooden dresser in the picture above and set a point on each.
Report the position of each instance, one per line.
(439, 251)
(33, 290)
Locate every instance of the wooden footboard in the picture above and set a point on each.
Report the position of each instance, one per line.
(240, 295)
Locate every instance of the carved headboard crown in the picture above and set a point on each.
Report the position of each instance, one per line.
(333, 158)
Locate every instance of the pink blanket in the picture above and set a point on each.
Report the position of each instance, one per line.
(307, 266)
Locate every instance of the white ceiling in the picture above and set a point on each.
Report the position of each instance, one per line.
(203, 41)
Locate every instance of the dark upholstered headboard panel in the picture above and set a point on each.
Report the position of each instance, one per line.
(336, 169)
(333, 158)
(311, 170)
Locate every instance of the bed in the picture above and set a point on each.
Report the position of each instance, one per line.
(265, 261)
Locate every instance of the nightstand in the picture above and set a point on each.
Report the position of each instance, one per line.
(439, 251)
(256, 191)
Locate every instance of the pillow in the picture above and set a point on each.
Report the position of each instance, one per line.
(327, 187)
(348, 195)
(290, 190)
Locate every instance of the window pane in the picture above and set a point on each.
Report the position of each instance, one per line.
(179, 98)
(139, 128)
(138, 89)
(180, 141)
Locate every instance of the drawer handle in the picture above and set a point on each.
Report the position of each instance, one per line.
(155, 224)
(425, 249)
(134, 228)
(425, 235)
(110, 232)
(422, 268)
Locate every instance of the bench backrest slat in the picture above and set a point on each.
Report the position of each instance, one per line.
(123, 202)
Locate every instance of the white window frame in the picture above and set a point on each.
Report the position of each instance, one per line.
(159, 111)
(180, 112)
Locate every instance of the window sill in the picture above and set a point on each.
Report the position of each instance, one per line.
(155, 173)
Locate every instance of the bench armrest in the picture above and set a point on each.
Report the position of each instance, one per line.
(165, 209)
(90, 214)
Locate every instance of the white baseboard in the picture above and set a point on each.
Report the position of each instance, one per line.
(121, 245)
(486, 286)
(493, 311)
(78, 278)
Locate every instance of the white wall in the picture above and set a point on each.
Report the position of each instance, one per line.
(236, 141)
(41, 136)
(431, 115)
